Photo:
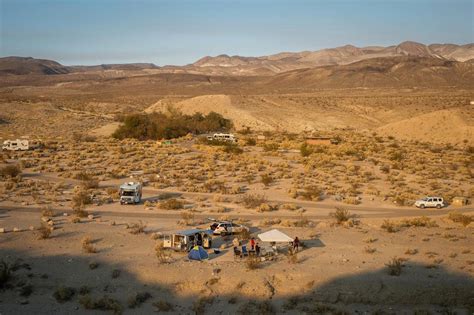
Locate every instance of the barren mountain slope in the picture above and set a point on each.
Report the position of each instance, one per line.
(443, 126)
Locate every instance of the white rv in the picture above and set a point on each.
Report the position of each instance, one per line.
(227, 137)
(19, 145)
(130, 193)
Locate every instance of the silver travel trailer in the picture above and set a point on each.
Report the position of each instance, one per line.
(227, 137)
(130, 193)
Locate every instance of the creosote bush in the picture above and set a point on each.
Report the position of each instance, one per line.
(10, 171)
(64, 294)
(341, 215)
(172, 204)
(253, 200)
(394, 266)
(104, 303)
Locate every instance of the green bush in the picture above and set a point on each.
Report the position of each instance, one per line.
(160, 126)
(10, 171)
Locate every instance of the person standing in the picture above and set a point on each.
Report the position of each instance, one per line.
(296, 244)
(252, 243)
(257, 250)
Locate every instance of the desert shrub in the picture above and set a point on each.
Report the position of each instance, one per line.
(265, 207)
(306, 150)
(163, 306)
(44, 232)
(340, 215)
(411, 251)
(187, 217)
(64, 294)
(160, 126)
(417, 222)
(311, 192)
(104, 303)
(370, 250)
(47, 212)
(253, 200)
(80, 199)
(137, 228)
(87, 246)
(90, 184)
(458, 217)
(199, 306)
(116, 273)
(232, 148)
(172, 204)
(270, 147)
(6, 271)
(292, 257)
(250, 141)
(267, 180)
(163, 255)
(10, 171)
(385, 169)
(253, 263)
(261, 308)
(394, 266)
(83, 290)
(138, 299)
(390, 227)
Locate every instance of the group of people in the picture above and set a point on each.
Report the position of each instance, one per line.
(253, 247)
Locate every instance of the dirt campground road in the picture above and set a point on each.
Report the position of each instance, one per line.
(311, 209)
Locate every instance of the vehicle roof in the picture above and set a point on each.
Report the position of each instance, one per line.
(192, 232)
(130, 185)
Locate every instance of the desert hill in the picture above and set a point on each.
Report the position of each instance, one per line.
(443, 126)
(381, 72)
(28, 66)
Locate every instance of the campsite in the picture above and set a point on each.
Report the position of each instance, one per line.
(251, 157)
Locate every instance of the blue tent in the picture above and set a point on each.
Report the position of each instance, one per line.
(198, 253)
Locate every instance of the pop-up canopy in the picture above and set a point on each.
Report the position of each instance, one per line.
(274, 236)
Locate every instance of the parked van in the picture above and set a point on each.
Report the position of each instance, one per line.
(130, 193)
(430, 202)
(185, 240)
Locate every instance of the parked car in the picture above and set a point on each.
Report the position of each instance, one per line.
(430, 202)
(224, 228)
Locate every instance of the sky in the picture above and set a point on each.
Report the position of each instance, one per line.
(89, 32)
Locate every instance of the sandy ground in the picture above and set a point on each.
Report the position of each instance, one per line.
(333, 270)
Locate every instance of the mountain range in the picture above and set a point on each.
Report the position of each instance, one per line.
(251, 66)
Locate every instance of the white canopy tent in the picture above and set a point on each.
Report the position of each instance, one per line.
(274, 236)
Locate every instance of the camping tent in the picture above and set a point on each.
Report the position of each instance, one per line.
(198, 253)
(274, 236)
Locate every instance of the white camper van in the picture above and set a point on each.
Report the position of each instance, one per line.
(130, 193)
(227, 137)
(19, 145)
(185, 240)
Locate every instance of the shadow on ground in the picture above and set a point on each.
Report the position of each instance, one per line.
(34, 279)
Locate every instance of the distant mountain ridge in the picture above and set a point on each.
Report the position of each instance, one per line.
(253, 66)
(224, 64)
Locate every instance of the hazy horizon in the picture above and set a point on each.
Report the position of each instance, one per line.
(177, 33)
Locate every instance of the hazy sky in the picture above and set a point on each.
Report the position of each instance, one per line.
(180, 32)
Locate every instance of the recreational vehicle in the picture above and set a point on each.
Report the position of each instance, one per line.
(19, 145)
(185, 240)
(130, 193)
(227, 137)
